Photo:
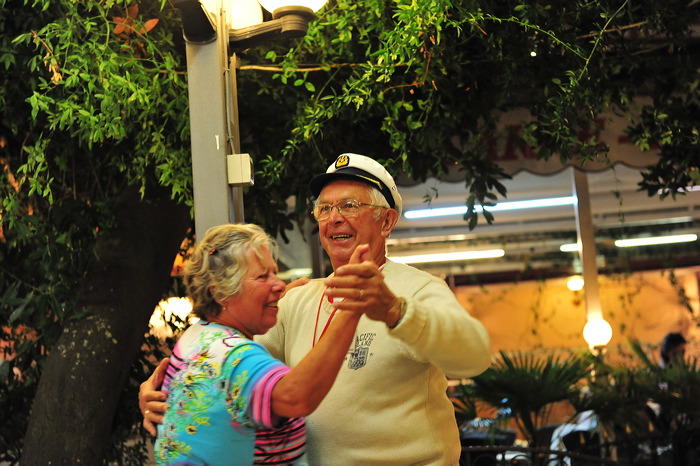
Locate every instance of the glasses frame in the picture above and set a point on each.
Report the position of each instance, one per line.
(340, 209)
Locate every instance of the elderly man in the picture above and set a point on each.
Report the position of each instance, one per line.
(389, 403)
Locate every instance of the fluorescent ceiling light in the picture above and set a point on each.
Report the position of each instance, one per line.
(646, 222)
(449, 256)
(629, 243)
(570, 247)
(514, 205)
(428, 239)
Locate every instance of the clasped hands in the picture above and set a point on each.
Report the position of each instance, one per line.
(361, 283)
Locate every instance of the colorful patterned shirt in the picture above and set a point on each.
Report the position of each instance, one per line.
(219, 387)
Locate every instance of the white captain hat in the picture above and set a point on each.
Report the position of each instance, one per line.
(358, 167)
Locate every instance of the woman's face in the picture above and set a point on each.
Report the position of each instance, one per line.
(253, 310)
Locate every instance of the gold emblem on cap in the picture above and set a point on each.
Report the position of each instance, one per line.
(342, 161)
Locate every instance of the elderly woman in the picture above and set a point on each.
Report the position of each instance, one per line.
(229, 401)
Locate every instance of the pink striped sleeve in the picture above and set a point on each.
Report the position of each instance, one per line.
(260, 406)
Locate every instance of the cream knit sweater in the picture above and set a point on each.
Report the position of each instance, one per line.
(388, 405)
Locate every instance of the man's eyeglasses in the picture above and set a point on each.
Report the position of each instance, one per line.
(346, 208)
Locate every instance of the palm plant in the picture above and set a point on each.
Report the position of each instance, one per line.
(675, 390)
(464, 404)
(467, 408)
(621, 397)
(614, 395)
(528, 386)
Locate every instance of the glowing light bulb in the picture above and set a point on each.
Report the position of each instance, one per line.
(597, 332)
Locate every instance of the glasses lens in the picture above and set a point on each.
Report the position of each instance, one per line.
(322, 211)
(346, 208)
(350, 208)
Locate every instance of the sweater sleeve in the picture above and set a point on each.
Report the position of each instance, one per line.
(436, 328)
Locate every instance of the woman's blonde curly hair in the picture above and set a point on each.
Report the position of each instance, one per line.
(219, 261)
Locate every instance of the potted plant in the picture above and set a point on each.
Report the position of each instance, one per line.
(525, 386)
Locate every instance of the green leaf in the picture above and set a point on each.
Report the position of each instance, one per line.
(21, 311)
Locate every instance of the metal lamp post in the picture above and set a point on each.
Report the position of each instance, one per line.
(597, 331)
(213, 35)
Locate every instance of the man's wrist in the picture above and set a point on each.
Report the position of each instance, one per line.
(398, 310)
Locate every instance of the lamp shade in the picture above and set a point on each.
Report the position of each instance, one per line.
(272, 5)
(597, 332)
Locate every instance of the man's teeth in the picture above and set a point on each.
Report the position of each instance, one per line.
(341, 236)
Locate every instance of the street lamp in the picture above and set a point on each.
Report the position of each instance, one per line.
(214, 31)
(597, 332)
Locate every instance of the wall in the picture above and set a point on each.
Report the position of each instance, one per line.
(532, 315)
(546, 315)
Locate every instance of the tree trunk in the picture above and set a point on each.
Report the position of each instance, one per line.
(86, 371)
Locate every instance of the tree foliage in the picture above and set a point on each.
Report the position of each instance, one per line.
(421, 86)
(94, 108)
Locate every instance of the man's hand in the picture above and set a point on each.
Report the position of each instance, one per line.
(294, 283)
(151, 401)
(361, 284)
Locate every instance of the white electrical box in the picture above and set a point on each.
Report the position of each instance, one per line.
(240, 169)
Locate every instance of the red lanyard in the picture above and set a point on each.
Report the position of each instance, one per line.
(328, 322)
(335, 309)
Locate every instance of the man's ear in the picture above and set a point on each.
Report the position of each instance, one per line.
(389, 222)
